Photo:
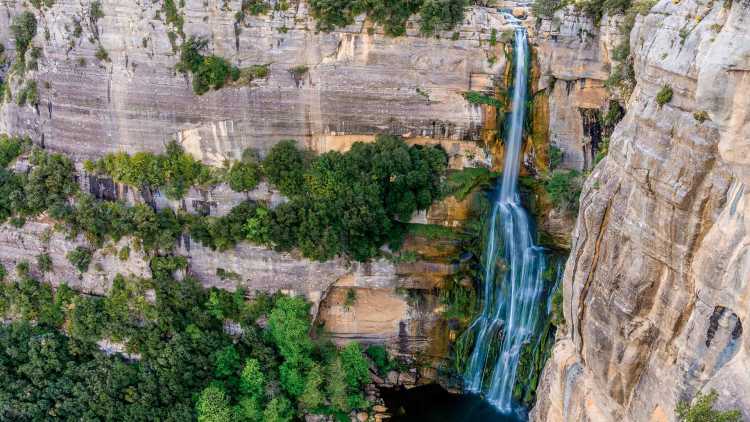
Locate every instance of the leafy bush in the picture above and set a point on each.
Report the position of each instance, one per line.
(555, 157)
(10, 148)
(546, 8)
(441, 15)
(243, 177)
(80, 257)
(175, 170)
(173, 16)
(284, 167)
(380, 357)
(210, 72)
(23, 29)
(435, 15)
(702, 410)
(701, 116)
(461, 183)
(476, 97)
(28, 94)
(49, 184)
(44, 261)
(564, 188)
(664, 95)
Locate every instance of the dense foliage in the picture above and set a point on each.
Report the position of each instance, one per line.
(182, 365)
(209, 72)
(174, 171)
(23, 28)
(564, 188)
(436, 15)
(340, 203)
(354, 202)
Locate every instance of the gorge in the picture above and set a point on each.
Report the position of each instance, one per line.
(492, 211)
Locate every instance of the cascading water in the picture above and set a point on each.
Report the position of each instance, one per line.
(513, 275)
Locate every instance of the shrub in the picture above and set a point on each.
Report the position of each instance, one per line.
(80, 257)
(102, 54)
(350, 299)
(439, 15)
(564, 188)
(284, 167)
(210, 72)
(555, 157)
(243, 176)
(702, 409)
(49, 184)
(28, 94)
(546, 8)
(23, 28)
(701, 116)
(664, 95)
(476, 97)
(379, 356)
(435, 15)
(11, 147)
(44, 261)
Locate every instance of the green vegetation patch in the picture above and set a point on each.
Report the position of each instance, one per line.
(476, 97)
(435, 15)
(664, 95)
(564, 188)
(460, 184)
(702, 409)
(174, 171)
(187, 367)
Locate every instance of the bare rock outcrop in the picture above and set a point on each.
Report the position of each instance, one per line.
(657, 286)
(351, 80)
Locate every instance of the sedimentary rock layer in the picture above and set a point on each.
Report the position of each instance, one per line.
(656, 290)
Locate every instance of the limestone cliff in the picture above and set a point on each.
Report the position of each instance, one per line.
(356, 79)
(358, 82)
(657, 286)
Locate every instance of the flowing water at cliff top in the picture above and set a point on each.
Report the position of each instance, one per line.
(514, 291)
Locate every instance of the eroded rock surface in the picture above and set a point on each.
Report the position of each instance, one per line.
(656, 290)
(356, 80)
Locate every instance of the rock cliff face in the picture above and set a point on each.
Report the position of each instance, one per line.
(357, 80)
(657, 286)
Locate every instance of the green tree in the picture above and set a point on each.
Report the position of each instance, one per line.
(248, 410)
(252, 380)
(355, 365)
(702, 410)
(313, 396)
(284, 166)
(213, 405)
(227, 362)
(23, 28)
(336, 386)
(80, 257)
(289, 327)
(279, 409)
(243, 176)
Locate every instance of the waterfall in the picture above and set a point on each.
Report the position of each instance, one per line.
(513, 293)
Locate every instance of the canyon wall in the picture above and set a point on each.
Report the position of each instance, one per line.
(657, 286)
(358, 82)
(357, 79)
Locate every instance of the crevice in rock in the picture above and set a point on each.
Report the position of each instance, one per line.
(713, 324)
(594, 264)
(592, 131)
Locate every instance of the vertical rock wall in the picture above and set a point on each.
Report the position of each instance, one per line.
(657, 287)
